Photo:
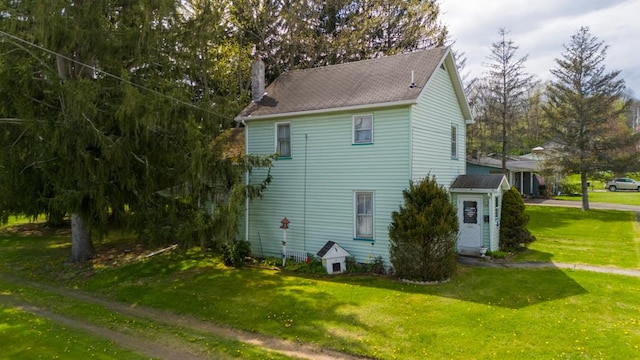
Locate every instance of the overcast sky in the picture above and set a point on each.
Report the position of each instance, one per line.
(540, 28)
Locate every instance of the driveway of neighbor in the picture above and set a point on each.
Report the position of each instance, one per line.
(578, 204)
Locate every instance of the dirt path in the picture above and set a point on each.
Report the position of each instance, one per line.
(159, 349)
(147, 348)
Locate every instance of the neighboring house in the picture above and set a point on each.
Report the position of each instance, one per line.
(350, 138)
(522, 171)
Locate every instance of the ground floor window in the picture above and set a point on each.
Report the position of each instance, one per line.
(364, 214)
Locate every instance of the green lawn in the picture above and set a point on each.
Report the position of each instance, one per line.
(23, 334)
(617, 197)
(27, 336)
(595, 237)
(482, 313)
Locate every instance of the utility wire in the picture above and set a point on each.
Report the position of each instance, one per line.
(14, 37)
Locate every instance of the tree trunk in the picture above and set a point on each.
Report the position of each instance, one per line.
(81, 244)
(585, 192)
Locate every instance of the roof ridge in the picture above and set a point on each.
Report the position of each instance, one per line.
(395, 79)
(360, 62)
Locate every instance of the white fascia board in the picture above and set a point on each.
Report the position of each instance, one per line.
(324, 111)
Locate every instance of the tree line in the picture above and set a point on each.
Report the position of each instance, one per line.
(584, 110)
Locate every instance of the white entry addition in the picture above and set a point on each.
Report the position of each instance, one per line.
(471, 219)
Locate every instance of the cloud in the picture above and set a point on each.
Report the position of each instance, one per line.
(541, 28)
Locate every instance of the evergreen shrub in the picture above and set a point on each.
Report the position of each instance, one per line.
(514, 234)
(423, 233)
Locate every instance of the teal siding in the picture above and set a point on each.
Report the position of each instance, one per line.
(473, 169)
(315, 188)
(431, 120)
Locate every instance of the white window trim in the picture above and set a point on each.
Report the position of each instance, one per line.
(353, 129)
(454, 128)
(355, 215)
(275, 143)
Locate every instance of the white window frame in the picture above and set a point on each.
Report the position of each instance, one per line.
(356, 216)
(454, 141)
(354, 132)
(277, 140)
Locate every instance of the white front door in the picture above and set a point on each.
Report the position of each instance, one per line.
(470, 220)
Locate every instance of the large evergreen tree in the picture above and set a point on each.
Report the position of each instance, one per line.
(585, 104)
(112, 110)
(303, 34)
(126, 114)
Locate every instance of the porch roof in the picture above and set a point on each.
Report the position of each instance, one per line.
(492, 183)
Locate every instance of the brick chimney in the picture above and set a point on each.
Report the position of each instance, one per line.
(257, 79)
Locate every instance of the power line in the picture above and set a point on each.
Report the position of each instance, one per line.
(14, 37)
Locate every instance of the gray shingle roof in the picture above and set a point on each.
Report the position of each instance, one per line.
(484, 182)
(513, 163)
(325, 248)
(368, 82)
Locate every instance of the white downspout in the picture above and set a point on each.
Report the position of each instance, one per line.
(246, 183)
(492, 220)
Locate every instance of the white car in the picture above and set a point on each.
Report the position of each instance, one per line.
(623, 184)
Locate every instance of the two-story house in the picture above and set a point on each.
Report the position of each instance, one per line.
(349, 139)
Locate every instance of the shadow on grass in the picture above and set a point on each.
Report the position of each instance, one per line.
(513, 288)
(295, 306)
(532, 255)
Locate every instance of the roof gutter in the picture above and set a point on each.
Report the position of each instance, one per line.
(332, 110)
(475, 190)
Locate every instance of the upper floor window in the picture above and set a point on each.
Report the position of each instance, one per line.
(363, 129)
(454, 142)
(283, 140)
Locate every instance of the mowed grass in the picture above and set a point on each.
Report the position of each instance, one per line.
(482, 313)
(24, 335)
(617, 197)
(594, 237)
(26, 261)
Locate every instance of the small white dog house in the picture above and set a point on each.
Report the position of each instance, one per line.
(479, 202)
(334, 258)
